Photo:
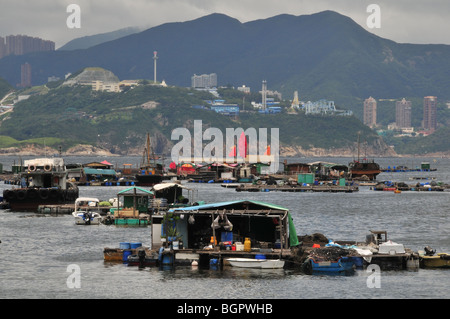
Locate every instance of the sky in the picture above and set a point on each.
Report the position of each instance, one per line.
(404, 21)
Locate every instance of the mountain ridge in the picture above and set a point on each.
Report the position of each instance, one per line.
(322, 55)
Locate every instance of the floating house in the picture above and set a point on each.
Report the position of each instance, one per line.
(217, 231)
(134, 210)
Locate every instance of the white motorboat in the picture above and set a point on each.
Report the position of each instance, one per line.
(256, 263)
(87, 211)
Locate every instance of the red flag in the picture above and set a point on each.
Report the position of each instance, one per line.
(232, 152)
(242, 146)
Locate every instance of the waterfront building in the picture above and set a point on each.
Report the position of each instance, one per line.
(430, 113)
(370, 112)
(403, 114)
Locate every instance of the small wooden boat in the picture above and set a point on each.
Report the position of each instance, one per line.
(441, 260)
(256, 263)
(340, 265)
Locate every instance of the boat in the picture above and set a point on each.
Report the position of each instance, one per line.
(340, 265)
(428, 259)
(87, 211)
(43, 181)
(365, 169)
(151, 173)
(256, 263)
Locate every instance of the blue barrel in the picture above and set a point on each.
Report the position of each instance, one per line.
(167, 259)
(126, 253)
(259, 256)
(124, 246)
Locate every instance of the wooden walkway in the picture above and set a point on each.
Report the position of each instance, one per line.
(297, 188)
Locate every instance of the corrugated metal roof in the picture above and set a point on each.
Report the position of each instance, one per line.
(224, 204)
(99, 171)
(138, 188)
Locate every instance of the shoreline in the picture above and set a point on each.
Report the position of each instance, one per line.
(285, 151)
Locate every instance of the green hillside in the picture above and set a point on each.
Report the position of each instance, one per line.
(5, 87)
(119, 121)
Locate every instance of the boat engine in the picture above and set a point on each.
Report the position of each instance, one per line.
(429, 251)
(87, 218)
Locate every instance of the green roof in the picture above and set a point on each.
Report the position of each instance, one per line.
(137, 188)
(224, 204)
(99, 171)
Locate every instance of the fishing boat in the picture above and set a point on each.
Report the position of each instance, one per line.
(441, 260)
(428, 259)
(256, 263)
(151, 172)
(87, 211)
(43, 181)
(365, 169)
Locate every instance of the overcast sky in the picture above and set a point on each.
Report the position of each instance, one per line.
(405, 21)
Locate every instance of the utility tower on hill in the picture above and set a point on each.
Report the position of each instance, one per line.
(155, 57)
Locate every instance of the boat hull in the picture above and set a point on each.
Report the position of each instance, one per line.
(439, 261)
(29, 199)
(341, 265)
(256, 263)
(148, 180)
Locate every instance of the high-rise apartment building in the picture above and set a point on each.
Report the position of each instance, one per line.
(22, 44)
(370, 112)
(430, 113)
(2, 47)
(204, 80)
(403, 114)
(25, 75)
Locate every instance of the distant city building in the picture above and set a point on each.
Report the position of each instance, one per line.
(53, 78)
(25, 75)
(244, 89)
(2, 47)
(204, 81)
(403, 114)
(219, 106)
(324, 107)
(430, 113)
(23, 44)
(108, 87)
(370, 112)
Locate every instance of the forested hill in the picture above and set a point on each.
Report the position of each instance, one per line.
(118, 122)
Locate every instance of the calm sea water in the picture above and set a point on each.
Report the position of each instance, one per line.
(37, 252)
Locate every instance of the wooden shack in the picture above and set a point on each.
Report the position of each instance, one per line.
(223, 228)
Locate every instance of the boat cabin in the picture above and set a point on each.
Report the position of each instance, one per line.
(221, 225)
(173, 193)
(44, 172)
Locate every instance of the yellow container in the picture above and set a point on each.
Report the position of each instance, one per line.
(247, 244)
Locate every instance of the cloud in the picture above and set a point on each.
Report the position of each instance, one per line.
(414, 21)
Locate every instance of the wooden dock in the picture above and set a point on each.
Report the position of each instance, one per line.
(65, 209)
(297, 188)
(56, 209)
